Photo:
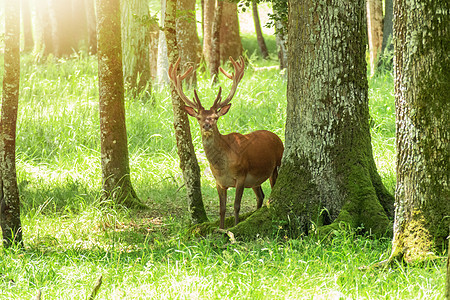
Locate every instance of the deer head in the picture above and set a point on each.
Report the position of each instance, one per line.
(207, 118)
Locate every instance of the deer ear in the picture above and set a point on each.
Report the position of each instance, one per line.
(224, 110)
(190, 111)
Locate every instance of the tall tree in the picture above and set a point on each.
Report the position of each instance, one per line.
(328, 173)
(113, 135)
(89, 5)
(279, 19)
(9, 192)
(187, 38)
(186, 152)
(163, 62)
(422, 214)
(62, 27)
(375, 30)
(230, 39)
(387, 47)
(259, 35)
(44, 41)
(79, 17)
(208, 12)
(214, 62)
(135, 42)
(28, 42)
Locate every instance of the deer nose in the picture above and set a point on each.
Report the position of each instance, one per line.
(207, 126)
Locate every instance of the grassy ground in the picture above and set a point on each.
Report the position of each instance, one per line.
(70, 239)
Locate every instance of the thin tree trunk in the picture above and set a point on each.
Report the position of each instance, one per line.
(79, 17)
(422, 128)
(327, 173)
(375, 30)
(259, 35)
(215, 41)
(186, 152)
(62, 27)
(230, 39)
(209, 8)
(114, 147)
(163, 62)
(9, 192)
(387, 47)
(91, 26)
(44, 42)
(135, 42)
(188, 43)
(28, 42)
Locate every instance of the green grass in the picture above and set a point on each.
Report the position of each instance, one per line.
(71, 239)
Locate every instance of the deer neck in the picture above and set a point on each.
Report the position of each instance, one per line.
(213, 144)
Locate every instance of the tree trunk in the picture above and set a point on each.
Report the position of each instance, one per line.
(215, 41)
(280, 11)
(230, 39)
(79, 19)
(375, 30)
(259, 35)
(447, 289)
(387, 47)
(62, 27)
(28, 42)
(328, 174)
(9, 192)
(163, 62)
(44, 44)
(186, 152)
(135, 44)
(422, 136)
(114, 152)
(209, 8)
(153, 49)
(189, 47)
(91, 26)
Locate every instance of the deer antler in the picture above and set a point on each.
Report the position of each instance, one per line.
(236, 77)
(177, 82)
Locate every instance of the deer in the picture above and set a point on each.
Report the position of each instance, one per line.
(236, 160)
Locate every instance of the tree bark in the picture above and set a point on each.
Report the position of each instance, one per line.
(280, 14)
(186, 152)
(9, 192)
(28, 42)
(62, 27)
(189, 47)
(44, 28)
(375, 30)
(328, 174)
(91, 26)
(209, 8)
(114, 147)
(422, 136)
(230, 39)
(163, 62)
(215, 41)
(135, 45)
(386, 57)
(447, 289)
(259, 35)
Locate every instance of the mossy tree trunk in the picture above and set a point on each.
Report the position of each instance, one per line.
(188, 43)
(114, 147)
(328, 173)
(9, 192)
(422, 214)
(185, 148)
(135, 44)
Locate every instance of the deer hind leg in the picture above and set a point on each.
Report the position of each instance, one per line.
(237, 201)
(273, 177)
(223, 204)
(259, 196)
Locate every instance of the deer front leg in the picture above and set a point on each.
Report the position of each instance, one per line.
(223, 204)
(237, 201)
